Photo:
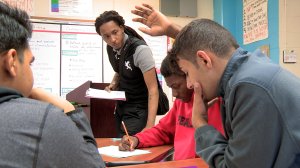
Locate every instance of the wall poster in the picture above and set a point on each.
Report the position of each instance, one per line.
(255, 20)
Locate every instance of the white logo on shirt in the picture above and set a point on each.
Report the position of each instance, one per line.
(127, 65)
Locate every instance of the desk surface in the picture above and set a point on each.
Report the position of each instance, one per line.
(157, 153)
(189, 163)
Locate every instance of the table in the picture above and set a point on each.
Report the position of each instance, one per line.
(157, 154)
(189, 163)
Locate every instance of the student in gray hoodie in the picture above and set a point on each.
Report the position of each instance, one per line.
(37, 129)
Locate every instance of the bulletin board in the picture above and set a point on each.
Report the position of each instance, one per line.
(66, 55)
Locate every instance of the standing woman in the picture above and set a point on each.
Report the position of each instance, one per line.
(134, 67)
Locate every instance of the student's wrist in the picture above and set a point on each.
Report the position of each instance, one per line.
(112, 85)
(172, 30)
(199, 124)
(137, 141)
(150, 123)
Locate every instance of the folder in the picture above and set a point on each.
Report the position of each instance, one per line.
(103, 94)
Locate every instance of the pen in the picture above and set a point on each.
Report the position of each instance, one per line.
(125, 130)
(126, 133)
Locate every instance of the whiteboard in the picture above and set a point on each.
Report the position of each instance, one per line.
(81, 52)
(45, 46)
(67, 55)
(158, 46)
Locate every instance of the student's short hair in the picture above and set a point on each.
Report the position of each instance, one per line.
(170, 67)
(15, 29)
(206, 35)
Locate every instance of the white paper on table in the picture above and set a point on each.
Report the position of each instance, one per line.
(113, 151)
(103, 94)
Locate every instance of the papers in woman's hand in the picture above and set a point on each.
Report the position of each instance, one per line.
(113, 151)
(103, 94)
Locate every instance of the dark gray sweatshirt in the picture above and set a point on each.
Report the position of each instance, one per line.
(37, 134)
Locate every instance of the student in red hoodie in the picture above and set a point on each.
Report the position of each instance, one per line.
(176, 127)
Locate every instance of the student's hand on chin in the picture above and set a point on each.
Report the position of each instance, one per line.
(199, 115)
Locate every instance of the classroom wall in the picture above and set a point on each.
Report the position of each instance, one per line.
(224, 14)
(289, 32)
(229, 13)
(41, 9)
(272, 41)
(205, 10)
(284, 34)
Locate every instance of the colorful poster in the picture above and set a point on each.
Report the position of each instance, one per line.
(80, 8)
(255, 20)
(54, 6)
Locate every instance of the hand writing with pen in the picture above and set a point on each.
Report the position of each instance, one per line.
(128, 143)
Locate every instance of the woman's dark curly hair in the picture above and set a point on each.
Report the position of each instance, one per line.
(112, 15)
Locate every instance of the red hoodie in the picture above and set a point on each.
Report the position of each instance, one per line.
(176, 128)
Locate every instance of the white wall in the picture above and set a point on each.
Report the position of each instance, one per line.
(289, 32)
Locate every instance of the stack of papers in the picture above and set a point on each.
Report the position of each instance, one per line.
(103, 94)
(113, 151)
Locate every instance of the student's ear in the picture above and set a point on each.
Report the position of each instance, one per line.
(10, 62)
(204, 58)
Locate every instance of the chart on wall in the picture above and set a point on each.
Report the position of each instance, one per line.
(45, 46)
(255, 20)
(81, 52)
(158, 47)
(71, 8)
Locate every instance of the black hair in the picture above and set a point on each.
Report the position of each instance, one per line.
(170, 67)
(15, 29)
(112, 15)
(203, 34)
